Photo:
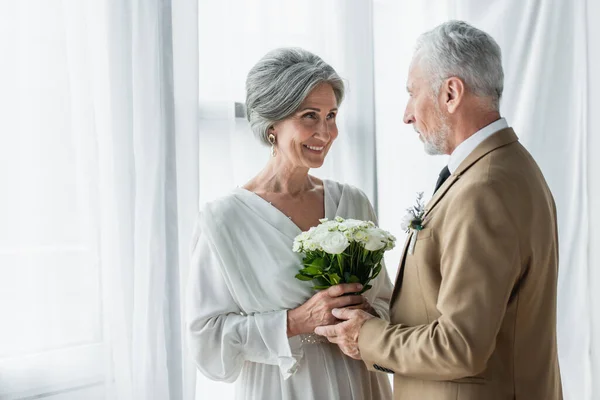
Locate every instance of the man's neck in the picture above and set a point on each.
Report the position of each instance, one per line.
(466, 127)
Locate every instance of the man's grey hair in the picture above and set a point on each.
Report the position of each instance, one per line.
(457, 49)
(278, 84)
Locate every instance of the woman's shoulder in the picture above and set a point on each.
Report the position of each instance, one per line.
(351, 201)
(345, 190)
(221, 209)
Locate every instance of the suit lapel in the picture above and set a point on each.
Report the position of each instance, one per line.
(497, 140)
(400, 273)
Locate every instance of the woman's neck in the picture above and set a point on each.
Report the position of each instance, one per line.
(284, 179)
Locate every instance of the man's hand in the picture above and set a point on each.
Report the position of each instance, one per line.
(345, 334)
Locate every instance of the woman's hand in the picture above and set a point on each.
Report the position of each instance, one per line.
(365, 306)
(317, 310)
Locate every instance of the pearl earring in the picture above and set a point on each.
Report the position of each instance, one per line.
(271, 138)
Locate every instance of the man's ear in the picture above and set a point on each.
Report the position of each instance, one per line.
(453, 91)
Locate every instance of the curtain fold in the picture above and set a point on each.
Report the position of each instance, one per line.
(150, 140)
(591, 12)
(134, 158)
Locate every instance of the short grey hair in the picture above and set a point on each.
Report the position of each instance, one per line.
(457, 49)
(278, 84)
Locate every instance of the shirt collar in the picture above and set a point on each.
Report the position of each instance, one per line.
(463, 150)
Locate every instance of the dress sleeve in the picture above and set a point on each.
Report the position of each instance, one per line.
(221, 337)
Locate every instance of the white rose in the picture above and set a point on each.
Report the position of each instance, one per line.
(406, 220)
(351, 224)
(297, 248)
(335, 243)
(319, 235)
(303, 236)
(310, 245)
(375, 240)
(327, 226)
(360, 236)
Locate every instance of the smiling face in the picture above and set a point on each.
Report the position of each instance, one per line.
(424, 112)
(304, 138)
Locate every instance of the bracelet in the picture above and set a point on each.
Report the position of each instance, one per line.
(313, 338)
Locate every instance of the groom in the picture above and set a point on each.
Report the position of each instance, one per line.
(473, 314)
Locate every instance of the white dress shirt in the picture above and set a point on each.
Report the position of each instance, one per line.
(463, 150)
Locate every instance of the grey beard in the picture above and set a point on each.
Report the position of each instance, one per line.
(436, 145)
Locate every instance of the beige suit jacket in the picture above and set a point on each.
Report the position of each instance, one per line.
(473, 314)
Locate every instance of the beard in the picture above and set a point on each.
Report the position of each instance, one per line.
(436, 143)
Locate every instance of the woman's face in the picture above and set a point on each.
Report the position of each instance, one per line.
(304, 138)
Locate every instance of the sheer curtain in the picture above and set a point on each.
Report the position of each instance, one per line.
(100, 166)
(593, 189)
(545, 45)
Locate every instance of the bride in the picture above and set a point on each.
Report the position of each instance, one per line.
(248, 319)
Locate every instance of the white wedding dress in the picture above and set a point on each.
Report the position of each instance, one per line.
(240, 287)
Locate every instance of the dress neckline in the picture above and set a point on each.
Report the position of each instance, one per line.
(276, 214)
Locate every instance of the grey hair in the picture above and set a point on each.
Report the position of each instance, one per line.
(278, 84)
(457, 49)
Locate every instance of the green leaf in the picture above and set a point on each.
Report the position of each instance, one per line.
(320, 281)
(321, 287)
(304, 277)
(347, 277)
(376, 270)
(366, 288)
(353, 279)
(340, 260)
(319, 263)
(311, 271)
(334, 278)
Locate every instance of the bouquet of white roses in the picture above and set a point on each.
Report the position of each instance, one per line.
(342, 251)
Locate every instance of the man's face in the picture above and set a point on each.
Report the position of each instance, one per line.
(423, 111)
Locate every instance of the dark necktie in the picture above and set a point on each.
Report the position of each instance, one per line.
(444, 174)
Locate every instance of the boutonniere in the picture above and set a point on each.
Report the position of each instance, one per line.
(413, 221)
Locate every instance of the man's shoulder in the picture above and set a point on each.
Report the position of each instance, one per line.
(507, 165)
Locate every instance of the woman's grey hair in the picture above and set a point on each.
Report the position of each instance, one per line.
(457, 49)
(278, 84)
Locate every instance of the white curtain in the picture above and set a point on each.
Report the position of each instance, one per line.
(545, 56)
(150, 163)
(100, 164)
(593, 189)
